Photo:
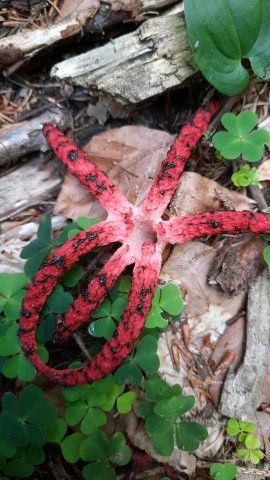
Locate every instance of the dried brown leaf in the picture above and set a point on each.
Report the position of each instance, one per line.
(130, 156)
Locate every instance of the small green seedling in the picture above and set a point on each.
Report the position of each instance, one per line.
(161, 409)
(252, 451)
(223, 471)
(243, 430)
(245, 176)
(144, 358)
(240, 140)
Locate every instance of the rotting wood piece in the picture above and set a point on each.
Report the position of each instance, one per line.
(96, 19)
(22, 138)
(157, 55)
(29, 185)
(241, 392)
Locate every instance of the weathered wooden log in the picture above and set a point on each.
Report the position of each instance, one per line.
(242, 391)
(155, 58)
(22, 138)
(96, 19)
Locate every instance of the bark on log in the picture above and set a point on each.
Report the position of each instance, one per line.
(134, 67)
(23, 138)
(242, 391)
(29, 185)
(102, 15)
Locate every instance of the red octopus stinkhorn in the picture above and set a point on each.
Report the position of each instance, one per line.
(143, 235)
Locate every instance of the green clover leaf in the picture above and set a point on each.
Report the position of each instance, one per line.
(145, 358)
(38, 250)
(245, 176)
(189, 435)
(12, 294)
(25, 421)
(223, 471)
(239, 139)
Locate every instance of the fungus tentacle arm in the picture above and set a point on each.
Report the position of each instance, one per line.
(54, 267)
(183, 229)
(79, 165)
(117, 348)
(144, 282)
(173, 166)
(85, 305)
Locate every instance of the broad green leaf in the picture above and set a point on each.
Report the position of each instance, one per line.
(35, 408)
(256, 456)
(33, 264)
(103, 310)
(19, 366)
(85, 222)
(224, 32)
(75, 412)
(104, 385)
(146, 355)
(189, 435)
(46, 328)
(223, 471)
(241, 124)
(71, 278)
(93, 419)
(124, 402)
(118, 308)
(95, 447)
(266, 256)
(56, 434)
(98, 470)
(247, 427)
(155, 320)
(103, 327)
(12, 283)
(10, 342)
(174, 407)
(161, 433)
(72, 394)
(70, 447)
(157, 389)
(128, 371)
(59, 301)
(24, 462)
(13, 306)
(243, 453)
(118, 451)
(252, 442)
(170, 300)
(233, 427)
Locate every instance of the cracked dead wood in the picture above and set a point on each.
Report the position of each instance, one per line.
(134, 67)
(22, 138)
(29, 185)
(100, 16)
(242, 391)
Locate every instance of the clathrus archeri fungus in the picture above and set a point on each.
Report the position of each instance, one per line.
(142, 234)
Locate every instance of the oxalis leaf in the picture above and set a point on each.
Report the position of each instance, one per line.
(239, 139)
(224, 32)
(223, 471)
(189, 435)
